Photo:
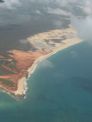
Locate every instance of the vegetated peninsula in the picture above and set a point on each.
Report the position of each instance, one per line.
(17, 65)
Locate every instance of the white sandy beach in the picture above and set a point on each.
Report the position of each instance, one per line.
(21, 86)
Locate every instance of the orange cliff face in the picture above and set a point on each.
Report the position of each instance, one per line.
(14, 66)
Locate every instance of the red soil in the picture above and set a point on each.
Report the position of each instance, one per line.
(24, 60)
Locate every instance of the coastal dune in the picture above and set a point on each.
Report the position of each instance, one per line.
(25, 63)
(22, 82)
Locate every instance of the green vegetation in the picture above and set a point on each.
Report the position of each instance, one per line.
(10, 66)
(2, 72)
(7, 82)
(6, 72)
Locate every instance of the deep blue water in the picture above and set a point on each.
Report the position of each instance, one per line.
(59, 91)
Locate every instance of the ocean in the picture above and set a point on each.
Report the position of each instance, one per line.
(60, 90)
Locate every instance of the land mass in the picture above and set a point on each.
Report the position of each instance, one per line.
(18, 65)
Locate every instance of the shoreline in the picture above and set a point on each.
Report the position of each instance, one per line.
(22, 83)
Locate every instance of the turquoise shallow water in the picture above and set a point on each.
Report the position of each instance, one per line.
(59, 91)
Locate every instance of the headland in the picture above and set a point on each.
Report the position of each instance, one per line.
(16, 66)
